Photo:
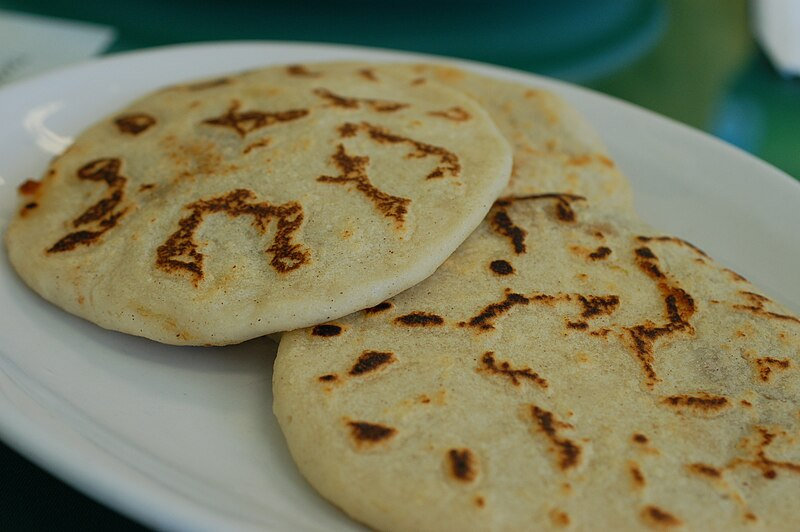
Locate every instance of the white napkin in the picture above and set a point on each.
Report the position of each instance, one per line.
(31, 44)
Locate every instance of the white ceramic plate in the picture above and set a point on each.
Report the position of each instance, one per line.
(184, 438)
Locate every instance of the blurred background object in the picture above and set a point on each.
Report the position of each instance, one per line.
(777, 28)
(696, 61)
(574, 39)
(30, 44)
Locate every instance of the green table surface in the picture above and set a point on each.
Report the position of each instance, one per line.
(695, 61)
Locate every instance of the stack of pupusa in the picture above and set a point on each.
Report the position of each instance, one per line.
(567, 366)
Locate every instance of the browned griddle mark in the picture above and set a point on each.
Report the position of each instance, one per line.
(600, 253)
(371, 361)
(735, 276)
(501, 223)
(640, 438)
(210, 84)
(261, 143)
(756, 304)
(658, 518)
(679, 307)
(99, 210)
(564, 211)
(347, 130)
(567, 451)
(757, 449)
(134, 123)
(559, 518)
(592, 306)
(344, 102)
(579, 325)
(330, 377)
(766, 365)
(598, 305)
(301, 71)
(501, 267)
(705, 470)
(180, 251)
(674, 240)
(490, 365)
(354, 171)
(637, 477)
(103, 215)
(456, 114)
(700, 401)
(147, 186)
(370, 433)
(448, 161)
(419, 319)
(563, 204)
(84, 237)
(716, 475)
(463, 465)
(486, 318)
(326, 330)
(583, 160)
(245, 122)
(29, 187)
(368, 74)
(380, 307)
(480, 502)
(28, 208)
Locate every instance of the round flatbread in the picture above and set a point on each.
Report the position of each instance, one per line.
(225, 209)
(568, 368)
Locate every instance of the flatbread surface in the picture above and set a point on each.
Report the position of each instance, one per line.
(217, 211)
(583, 371)
(555, 148)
